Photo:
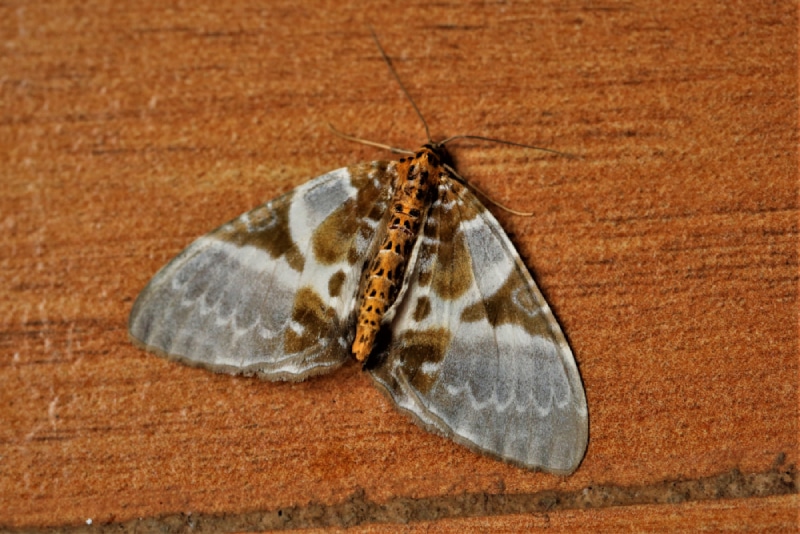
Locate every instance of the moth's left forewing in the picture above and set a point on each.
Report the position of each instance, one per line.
(476, 353)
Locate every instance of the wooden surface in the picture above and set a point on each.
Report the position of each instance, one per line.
(668, 249)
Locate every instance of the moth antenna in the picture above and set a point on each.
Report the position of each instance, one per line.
(354, 139)
(504, 142)
(400, 83)
(396, 150)
(486, 195)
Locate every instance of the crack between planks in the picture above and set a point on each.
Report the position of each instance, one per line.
(358, 510)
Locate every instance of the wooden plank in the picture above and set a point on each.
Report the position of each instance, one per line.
(668, 248)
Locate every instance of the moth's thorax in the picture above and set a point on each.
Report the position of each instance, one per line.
(416, 181)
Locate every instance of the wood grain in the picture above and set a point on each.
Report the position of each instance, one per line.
(667, 247)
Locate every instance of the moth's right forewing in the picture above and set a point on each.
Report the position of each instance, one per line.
(273, 291)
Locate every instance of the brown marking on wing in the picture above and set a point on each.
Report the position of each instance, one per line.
(511, 304)
(335, 283)
(266, 228)
(314, 316)
(454, 275)
(421, 354)
(422, 308)
(348, 221)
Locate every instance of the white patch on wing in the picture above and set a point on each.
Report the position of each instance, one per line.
(489, 263)
(314, 202)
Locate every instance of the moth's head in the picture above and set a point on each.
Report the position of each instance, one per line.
(437, 154)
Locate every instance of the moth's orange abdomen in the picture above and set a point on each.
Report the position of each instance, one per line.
(381, 285)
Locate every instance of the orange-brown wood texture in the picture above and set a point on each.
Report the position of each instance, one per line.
(667, 247)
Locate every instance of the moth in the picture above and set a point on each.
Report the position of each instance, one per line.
(395, 264)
